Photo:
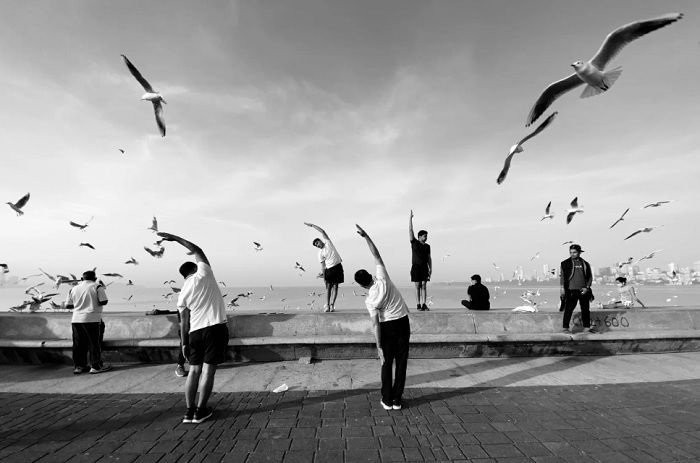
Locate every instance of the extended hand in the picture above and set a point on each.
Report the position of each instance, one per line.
(360, 231)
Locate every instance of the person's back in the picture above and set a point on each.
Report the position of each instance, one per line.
(202, 296)
(479, 297)
(384, 296)
(85, 299)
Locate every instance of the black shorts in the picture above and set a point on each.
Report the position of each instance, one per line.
(209, 345)
(334, 275)
(420, 273)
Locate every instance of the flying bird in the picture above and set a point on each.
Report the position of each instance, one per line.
(642, 230)
(86, 245)
(159, 253)
(547, 212)
(5, 268)
(496, 267)
(575, 209)
(518, 148)
(17, 207)
(591, 71)
(297, 265)
(656, 204)
(79, 225)
(536, 256)
(120, 150)
(222, 284)
(257, 246)
(622, 217)
(151, 95)
(175, 289)
(130, 283)
(567, 242)
(113, 275)
(169, 282)
(50, 277)
(154, 227)
(445, 257)
(132, 261)
(626, 262)
(649, 256)
(128, 298)
(234, 302)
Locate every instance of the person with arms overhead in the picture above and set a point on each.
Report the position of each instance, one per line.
(331, 266)
(204, 329)
(421, 264)
(392, 330)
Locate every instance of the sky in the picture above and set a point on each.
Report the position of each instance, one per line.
(337, 113)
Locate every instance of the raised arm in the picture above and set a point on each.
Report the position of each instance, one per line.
(318, 229)
(191, 247)
(411, 236)
(372, 248)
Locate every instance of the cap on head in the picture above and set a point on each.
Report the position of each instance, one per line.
(89, 276)
(476, 278)
(622, 280)
(187, 269)
(363, 278)
(575, 247)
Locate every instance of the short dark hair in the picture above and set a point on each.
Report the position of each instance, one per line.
(316, 240)
(187, 269)
(476, 278)
(89, 276)
(622, 280)
(422, 232)
(363, 278)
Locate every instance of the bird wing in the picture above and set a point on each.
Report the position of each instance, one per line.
(158, 109)
(574, 203)
(624, 213)
(616, 222)
(22, 201)
(633, 234)
(540, 127)
(620, 37)
(149, 251)
(154, 223)
(551, 93)
(549, 206)
(569, 217)
(135, 72)
(506, 168)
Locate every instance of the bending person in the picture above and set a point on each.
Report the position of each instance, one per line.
(331, 266)
(392, 331)
(421, 264)
(204, 329)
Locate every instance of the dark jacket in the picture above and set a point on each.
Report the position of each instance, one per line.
(567, 272)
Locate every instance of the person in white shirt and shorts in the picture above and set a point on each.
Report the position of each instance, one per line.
(392, 330)
(331, 266)
(204, 329)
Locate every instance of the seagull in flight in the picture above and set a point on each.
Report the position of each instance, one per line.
(547, 212)
(130, 283)
(159, 253)
(151, 95)
(86, 245)
(626, 262)
(622, 217)
(575, 209)
(567, 242)
(17, 207)
(496, 267)
(656, 204)
(536, 256)
(591, 71)
(222, 284)
(113, 275)
(643, 230)
(297, 265)
(518, 147)
(154, 226)
(120, 150)
(169, 282)
(132, 261)
(79, 225)
(5, 268)
(649, 256)
(257, 246)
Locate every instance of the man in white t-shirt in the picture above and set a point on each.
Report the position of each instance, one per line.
(204, 329)
(87, 299)
(389, 314)
(331, 266)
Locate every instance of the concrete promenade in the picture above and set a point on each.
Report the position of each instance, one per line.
(639, 408)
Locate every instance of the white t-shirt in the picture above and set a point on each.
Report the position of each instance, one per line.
(329, 254)
(85, 299)
(384, 299)
(202, 296)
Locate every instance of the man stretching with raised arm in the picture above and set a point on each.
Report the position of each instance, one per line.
(204, 329)
(331, 266)
(389, 314)
(421, 264)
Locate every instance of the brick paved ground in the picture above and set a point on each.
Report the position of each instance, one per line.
(617, 423)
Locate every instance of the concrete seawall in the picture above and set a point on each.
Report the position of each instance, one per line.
(46, 337)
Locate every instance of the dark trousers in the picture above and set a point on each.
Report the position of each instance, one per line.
(470, 305)
(571, 297)
(87, 339)
(395, 335)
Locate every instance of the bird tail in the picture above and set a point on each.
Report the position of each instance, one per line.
(609, 79)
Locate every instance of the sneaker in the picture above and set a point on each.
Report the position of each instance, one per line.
(79, 370)
(592, 330)
(189, 415)
(385, 406)
(180, 371)
(332, 308)
(202, 414)
(396, 405)
(419, 307)
(326, 308)
(425, 308)
(102, 369)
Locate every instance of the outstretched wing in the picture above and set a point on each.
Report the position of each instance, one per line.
(506, 168)
(624, 213)
(574, 203)
(540, 127)
(76, 225)
(620, 37)
(160, 120)
(549, 206)
(22, 201)
(570, 217)
(551, 93)
(633, 234)
(135, 72)
(149, 251)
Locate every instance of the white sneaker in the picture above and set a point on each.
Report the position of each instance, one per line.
(326, 308)
(385, 406)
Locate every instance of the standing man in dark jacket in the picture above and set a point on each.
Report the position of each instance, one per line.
(575, 280)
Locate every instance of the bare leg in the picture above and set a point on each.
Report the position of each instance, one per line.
(206, 383)
(191, 385)
(328, 296)
(424, 287)
(418, 285)
(334, 295)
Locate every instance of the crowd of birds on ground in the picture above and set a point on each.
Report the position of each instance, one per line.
(590, 73)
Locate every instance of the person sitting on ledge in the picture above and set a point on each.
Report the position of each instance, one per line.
(628, 296)
(477, 295)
